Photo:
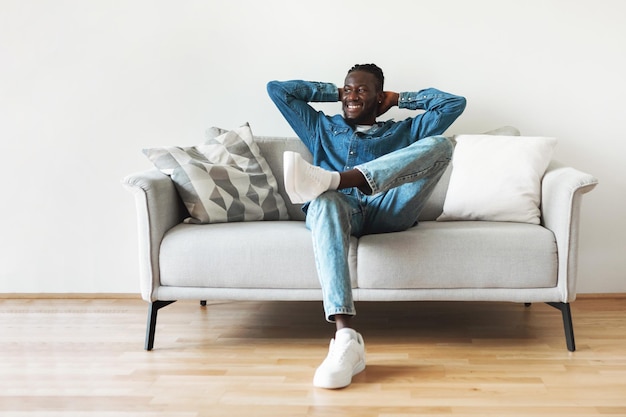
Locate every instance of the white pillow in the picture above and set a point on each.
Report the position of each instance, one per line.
(224, 180)
(497, 178)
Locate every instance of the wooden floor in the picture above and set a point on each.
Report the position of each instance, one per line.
(85, 358)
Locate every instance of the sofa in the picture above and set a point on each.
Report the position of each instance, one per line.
(272, 260)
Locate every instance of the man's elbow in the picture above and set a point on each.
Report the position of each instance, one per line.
(461, 102)
(271, 86)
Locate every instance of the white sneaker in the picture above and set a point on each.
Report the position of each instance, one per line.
(346, 358)
(303, 181)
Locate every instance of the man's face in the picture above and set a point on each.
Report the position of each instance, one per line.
(360, 98)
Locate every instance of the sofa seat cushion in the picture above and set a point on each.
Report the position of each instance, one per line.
(262, 254)
(464, 254)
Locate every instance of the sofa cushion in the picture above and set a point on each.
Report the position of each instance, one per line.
(463, 254)
(434, 205)
(224, 180)
(497, 178)
(242, 255)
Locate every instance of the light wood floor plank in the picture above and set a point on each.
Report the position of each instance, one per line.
(84, 357)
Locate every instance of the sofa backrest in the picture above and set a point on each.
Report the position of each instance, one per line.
(272, 149)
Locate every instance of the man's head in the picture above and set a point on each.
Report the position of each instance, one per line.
(362, 93)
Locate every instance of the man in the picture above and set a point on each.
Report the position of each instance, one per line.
(366, 177)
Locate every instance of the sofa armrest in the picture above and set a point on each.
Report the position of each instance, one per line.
(158, 209)
(562, 190)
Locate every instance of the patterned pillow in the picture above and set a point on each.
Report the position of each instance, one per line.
(226, 179)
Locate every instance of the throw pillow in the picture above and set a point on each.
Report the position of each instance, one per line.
(213, 132)
(497, 178)
(226, 179)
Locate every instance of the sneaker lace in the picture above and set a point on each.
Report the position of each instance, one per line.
(339, 351)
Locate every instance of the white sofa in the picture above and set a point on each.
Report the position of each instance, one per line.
(273, 260)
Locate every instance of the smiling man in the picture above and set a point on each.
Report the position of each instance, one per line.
(366, 177)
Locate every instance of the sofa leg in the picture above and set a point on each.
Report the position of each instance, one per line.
(567, 324)
(152, 318)
(203, 303)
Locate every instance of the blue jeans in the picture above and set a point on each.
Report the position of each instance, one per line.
(401, 182)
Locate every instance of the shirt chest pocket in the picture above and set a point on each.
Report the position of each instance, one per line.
(375, 147)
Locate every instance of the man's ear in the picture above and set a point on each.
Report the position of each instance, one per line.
(380, 96)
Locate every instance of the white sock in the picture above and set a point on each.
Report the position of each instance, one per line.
(347, 330)
(334, 181)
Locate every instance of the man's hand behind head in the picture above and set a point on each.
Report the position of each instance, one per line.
(390, 99)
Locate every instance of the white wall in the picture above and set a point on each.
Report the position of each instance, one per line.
(85, 85)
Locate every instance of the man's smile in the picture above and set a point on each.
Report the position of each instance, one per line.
(353, 107)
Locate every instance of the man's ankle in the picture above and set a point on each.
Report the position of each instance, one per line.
(352, 178)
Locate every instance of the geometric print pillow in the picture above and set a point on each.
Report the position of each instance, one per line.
(226, 179)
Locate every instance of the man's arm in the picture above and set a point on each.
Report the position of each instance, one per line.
(441, 110)
(292, 99)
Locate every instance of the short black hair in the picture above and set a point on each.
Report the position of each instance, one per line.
(372, 69)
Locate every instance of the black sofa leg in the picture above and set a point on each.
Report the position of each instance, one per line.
(567, 324)
(152, 318)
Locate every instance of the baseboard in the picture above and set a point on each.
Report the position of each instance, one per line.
(594, 296)
(72, 295)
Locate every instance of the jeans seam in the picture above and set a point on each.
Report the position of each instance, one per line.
(369, 179)
(414, 176)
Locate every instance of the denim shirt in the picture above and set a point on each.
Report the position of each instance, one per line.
(336, 146)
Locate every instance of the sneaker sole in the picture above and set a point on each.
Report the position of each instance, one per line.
(360, 367)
